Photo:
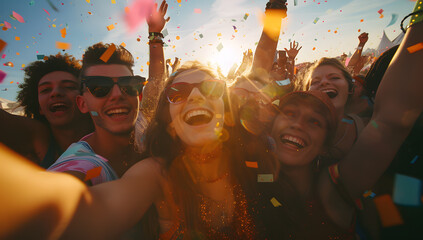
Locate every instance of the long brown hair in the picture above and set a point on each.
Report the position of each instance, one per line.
(160, 144)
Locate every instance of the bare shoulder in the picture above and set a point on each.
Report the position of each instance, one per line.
(151, 168)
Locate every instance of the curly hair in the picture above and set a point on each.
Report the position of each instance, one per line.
(28, 95)
(120, 56)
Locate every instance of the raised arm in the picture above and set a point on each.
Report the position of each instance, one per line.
(156, 22)
(266, 47)
(292, 54)
(356, 61)
(398, 104)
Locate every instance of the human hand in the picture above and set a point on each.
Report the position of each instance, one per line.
(293, 50)
(363, 38)
(156, 21)
(277, 5)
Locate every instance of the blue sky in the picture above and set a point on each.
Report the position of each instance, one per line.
(216, 23)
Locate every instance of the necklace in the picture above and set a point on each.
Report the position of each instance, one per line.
(200, 157)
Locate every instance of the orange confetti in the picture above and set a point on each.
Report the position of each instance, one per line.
(17, 38)
(92, 173)
(361, 20)
(126, 9)
(388, 212)
(63, 32)
(359, 30)
(415, 48)
(314, 48)
(88, 1)
(2, 45)
(89, 13)
(179, 1)
(381, 16)
(335, 31)
(148, 63)
(4, 28)
(113, 1)
(45, 58)
(142, 70)
(178, 37)
(110, 27)
(251, 164)
(329, 30)
(108, 53)
(63, 45)
(11, 82)
(123, 44)
(18, 54)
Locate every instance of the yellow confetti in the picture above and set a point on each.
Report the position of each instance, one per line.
(17, 38)
(219, 34)
(275, 202)
(123, 44)
(88, 1)
(113, 1)
(53, 25)
(110, 27)
(63, 45)
(23, 65)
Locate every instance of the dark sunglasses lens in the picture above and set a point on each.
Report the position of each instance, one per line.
(98, 86)
(131, 85)
(212, 89)
(178, 92)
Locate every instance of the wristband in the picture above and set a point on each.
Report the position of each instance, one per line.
(155, 37)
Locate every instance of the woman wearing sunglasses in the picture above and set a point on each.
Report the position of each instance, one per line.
(191, 184)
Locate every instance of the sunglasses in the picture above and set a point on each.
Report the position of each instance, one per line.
(100, 86)
(179, 92)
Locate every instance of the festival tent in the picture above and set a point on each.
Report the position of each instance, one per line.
(384, 44)
(398, 39)
(11, 107)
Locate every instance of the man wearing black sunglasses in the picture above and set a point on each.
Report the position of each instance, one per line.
(109, 93)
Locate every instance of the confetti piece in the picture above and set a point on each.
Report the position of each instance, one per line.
(178, 37)
(349, 121)
(3, 56)
(2, 76)
(31, 3)
(407, 190)
(17, 38)
(219, 47)
(63, 45)
(108, 53)
(7, 24)
(275, 202)
(12, 17)
(92, 173)
(123, 44)
(414, 159)
(394, 19)
(46, 12)
(18, 54)
(88, 1)
(314, 48)
(246, 16)
(388, 212)
(138, 11)
(197, 10)
(283, 82)
(18, 17)
(316, 20)
(369, 194)
(165, 32)
(380, 11)
(2, 44)
(40, 57)
(415, 48)
(251, 164)
(63, 32)
(374, 124)
(113, 1)
(381, 16)
(201, 35)
(295, 2)
(53, 25)
(52, 5)
(219, 34)
(265, 177)
(110, 27)
(94, 113)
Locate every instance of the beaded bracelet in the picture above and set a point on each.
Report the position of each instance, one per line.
(155, 37)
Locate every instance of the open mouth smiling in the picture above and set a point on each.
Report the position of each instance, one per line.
(332, 93)
(58, 107)
(117, 112)
(198, 117)
(292, 141)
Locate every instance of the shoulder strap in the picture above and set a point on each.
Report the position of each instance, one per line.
(359, 124)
